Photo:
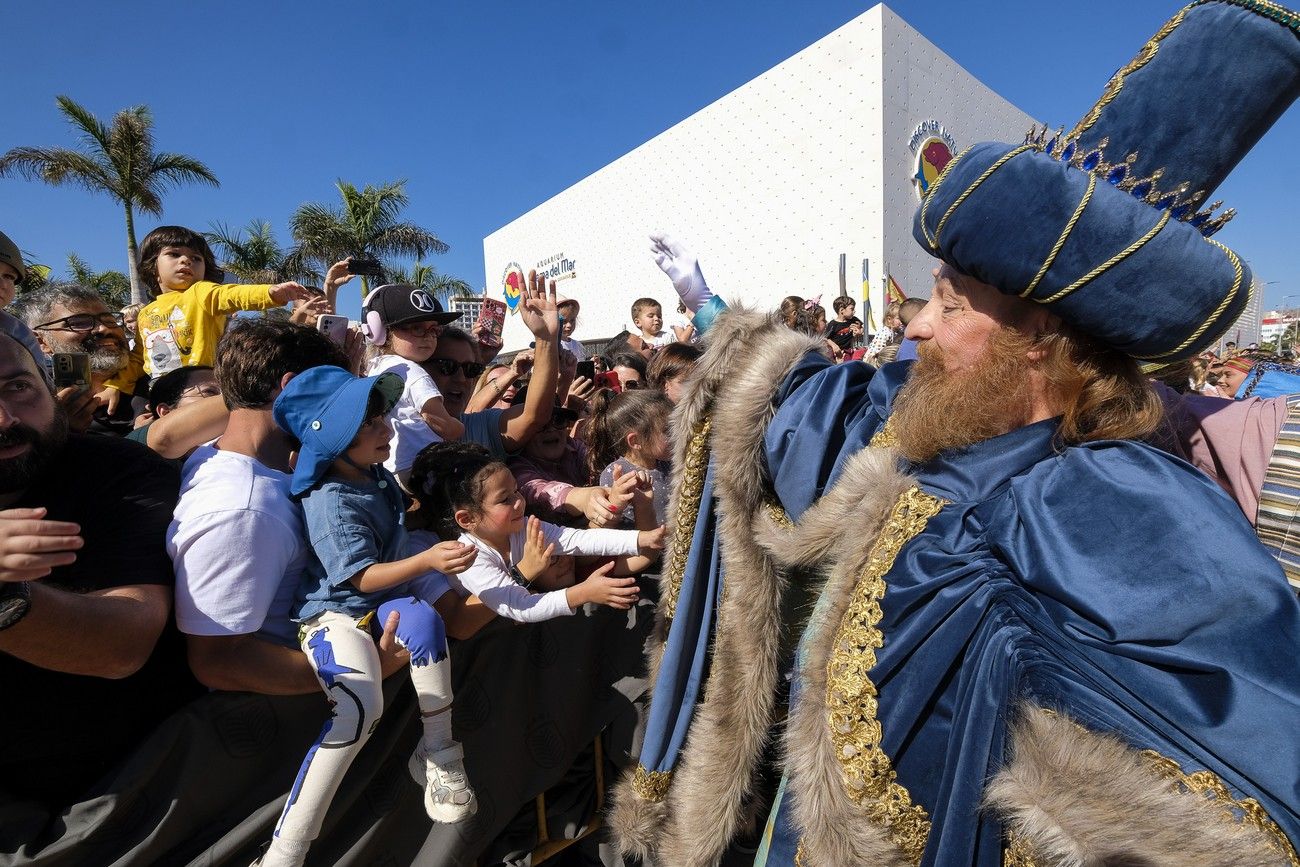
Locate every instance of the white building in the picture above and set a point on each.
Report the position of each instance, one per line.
(814, 160)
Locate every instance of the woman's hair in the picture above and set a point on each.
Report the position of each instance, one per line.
(175, 236)
(446, 477)
(630, 360)
(483, 377)
(670, 362)
(614, 416)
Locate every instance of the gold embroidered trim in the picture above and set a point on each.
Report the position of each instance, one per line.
(885, 438)
(688, 511)
(1116, 83)
(777, 513)
(1065, 234)
(1207, 784)
(1266, 8)
(851, 698)
(1111, 262)
(651, 785)
(1018, 852)
(1238, 277)
(800, 857)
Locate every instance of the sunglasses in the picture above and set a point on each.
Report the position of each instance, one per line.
(559, 421)
(447, 366)
(632, 383)
(83, 322)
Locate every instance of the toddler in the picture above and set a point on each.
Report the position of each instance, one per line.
(405, 322)
(473, 496)
(357, 577)
(648, 316)
(628, 432)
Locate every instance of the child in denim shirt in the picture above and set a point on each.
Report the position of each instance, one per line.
(358, 575)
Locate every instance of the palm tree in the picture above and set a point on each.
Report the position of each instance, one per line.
(258, 258)
(114, 286)
(444, 287)
(367, 224)
(117, 159)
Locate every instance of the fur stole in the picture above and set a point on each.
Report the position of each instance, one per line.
(747, 357)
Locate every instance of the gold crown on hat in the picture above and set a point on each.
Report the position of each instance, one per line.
(1181, 205)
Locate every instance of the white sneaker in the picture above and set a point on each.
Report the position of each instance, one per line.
(448, 796)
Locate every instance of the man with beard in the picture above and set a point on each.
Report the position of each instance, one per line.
(71, 318)
(1039, 640)
(88, 659)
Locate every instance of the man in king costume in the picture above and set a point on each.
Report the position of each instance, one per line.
(1027, 648)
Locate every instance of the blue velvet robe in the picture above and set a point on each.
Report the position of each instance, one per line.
(1110, 581)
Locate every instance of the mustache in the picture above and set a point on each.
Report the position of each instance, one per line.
(19, 434)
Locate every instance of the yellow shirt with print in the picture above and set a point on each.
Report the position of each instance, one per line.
(181, 329)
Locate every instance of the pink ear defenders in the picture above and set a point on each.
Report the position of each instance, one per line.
(372, 325)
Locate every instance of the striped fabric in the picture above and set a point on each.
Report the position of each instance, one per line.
(1278, 519)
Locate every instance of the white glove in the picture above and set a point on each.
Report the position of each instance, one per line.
(683, 269)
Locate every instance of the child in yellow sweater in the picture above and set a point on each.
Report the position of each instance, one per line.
(188, 314)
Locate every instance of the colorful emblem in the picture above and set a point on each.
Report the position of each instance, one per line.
(513, 284)
(931, 158)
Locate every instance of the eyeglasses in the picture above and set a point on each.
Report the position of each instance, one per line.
(212, 390)
(447, 366)
(83, 322)
(420, 329)
(632, 383)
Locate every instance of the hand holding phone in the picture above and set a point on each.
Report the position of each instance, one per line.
(586, 369)
(334, 327)
(608, 379)
(365, 266)
(71, 369)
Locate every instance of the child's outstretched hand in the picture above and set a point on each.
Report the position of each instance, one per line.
(602, 589)
(283, 293)
(537, 554)
(451, 558)
(651, 540)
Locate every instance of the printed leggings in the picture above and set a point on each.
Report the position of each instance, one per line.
(343, 653)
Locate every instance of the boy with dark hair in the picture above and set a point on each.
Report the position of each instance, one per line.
(845, 329)
(648, 316)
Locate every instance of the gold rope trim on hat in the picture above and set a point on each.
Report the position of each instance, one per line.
(1060, 242)
(651, 785)
(1237, 279)
(1116, 83)
(852, 700)
(1109, 263)
(1001, 161)
(929, 196)
(1273, 11)
(688, 511)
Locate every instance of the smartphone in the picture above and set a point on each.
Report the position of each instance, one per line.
(71, 368)
(587, 369)
(608, 379)
(365, 266)
(333, 327)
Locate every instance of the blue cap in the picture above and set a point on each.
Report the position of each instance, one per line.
(1107, 225)
(324, 407)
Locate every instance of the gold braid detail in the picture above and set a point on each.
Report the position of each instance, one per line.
(1238, 276)
(1266, 8)
(1109, 263)
(934, 188)
(1206, 784)
(984, 176)
(688, 511)
(1060, 242)
(651, 785)
(886, 437)
(1116, 83)
(851, 698)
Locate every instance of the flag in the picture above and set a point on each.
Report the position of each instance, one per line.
(869, 319)
(893, 292)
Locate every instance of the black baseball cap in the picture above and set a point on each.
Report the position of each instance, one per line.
(399, 304)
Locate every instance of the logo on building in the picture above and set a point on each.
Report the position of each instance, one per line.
(933, 149)
(513, 284)
(557, 267)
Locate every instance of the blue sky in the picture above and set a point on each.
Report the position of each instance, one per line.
(490, 108)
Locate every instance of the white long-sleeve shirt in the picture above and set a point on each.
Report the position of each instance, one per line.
(489, 577)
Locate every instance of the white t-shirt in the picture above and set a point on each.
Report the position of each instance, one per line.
(575, 346)
(489, 577)
(411, 432)
(238, 547)
(663, 338)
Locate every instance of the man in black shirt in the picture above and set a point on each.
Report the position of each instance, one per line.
(88, 658)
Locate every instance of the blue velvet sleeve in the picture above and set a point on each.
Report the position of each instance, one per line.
(826, 412)
(1160, 582)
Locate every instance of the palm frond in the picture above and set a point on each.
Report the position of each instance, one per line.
(406, 239)
(58, 166)
(93, 131)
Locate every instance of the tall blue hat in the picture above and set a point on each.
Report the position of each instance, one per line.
(1107, 224)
